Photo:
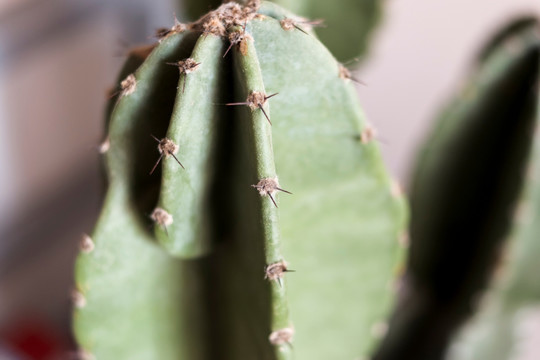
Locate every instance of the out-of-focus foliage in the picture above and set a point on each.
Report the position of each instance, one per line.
(467, 182)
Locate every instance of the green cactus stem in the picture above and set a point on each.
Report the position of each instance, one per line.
(501, 329)
(279, 172)
(346, 26)
(466, 185)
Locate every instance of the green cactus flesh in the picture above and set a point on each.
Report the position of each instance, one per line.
(506, 326)
(210, 280)
(467, 183)
(347, 24)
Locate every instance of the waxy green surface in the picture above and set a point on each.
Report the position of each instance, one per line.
(347, 24)
(203, 294)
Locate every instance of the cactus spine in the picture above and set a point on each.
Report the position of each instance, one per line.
(344, 26)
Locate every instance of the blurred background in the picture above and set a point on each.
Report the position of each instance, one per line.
(58, 58)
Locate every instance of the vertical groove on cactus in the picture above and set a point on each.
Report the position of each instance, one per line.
(193, 128)
(339, 187)
(260, 152)
(136, 294)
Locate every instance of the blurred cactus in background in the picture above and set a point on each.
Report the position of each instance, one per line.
(507, 325)
(463, 196)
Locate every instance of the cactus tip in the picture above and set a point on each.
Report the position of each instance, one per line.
(214, 25)
(86, 245)
(239, 38)
(186, 66)
(104, 146)
(276, 271)
(281, 336)
(78, 299)
(368, 134)
(177, 28)
(128, 85)
(166, 147)
(161, 217)
(346, 74)
(227, 16)
(268, 187)
(289, 24)
(256, 100)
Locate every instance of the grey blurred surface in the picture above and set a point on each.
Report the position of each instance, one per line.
(57, 60)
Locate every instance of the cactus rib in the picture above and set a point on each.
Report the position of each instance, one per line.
(259, 142)
(193, 128)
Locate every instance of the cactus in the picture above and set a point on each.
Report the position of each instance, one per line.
(466, 184)
(345, 26)
(507, 325)
(194, 260)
